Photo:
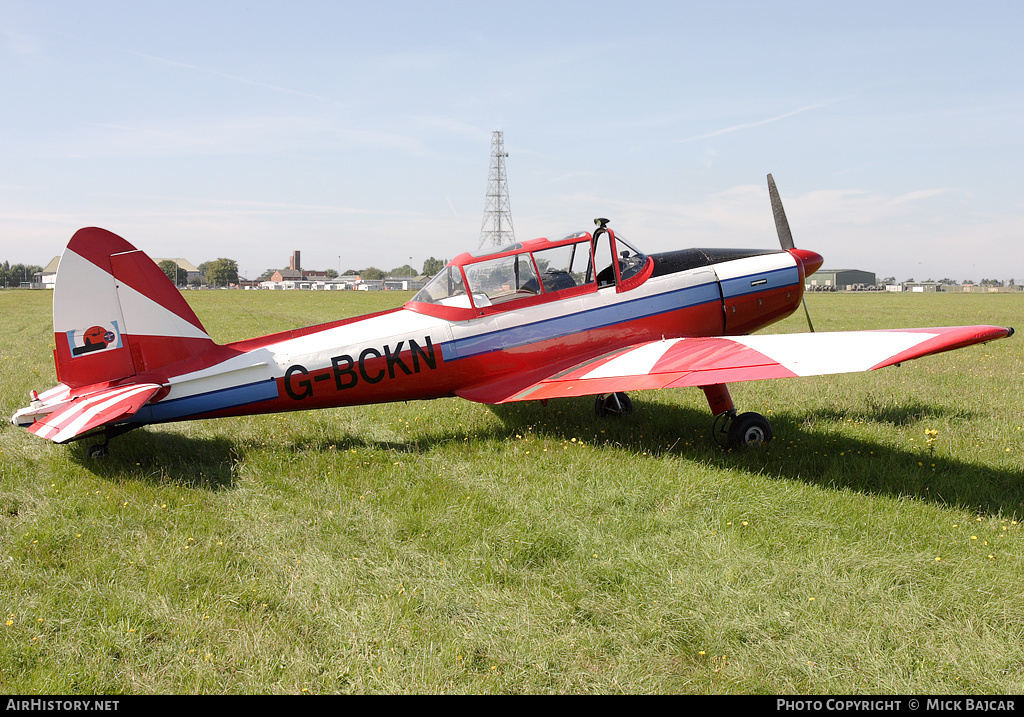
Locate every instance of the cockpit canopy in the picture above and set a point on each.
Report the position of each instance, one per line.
(533, 268)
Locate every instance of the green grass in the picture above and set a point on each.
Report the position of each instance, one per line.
(457, 548)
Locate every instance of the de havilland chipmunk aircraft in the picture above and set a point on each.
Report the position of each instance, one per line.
(586, 315)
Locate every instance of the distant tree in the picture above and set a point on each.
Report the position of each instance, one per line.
(265, 276)
(222, 272)
(171, 269)
(331, 274)
(371, 273)
(14, 274)
(402, 271)
(431, 266)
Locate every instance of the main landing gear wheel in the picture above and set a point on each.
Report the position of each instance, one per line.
(98, 451)
(614, 404)
(747, 430)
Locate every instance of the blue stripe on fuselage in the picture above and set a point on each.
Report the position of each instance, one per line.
(775, 279)
(560, 326)
(201, 403)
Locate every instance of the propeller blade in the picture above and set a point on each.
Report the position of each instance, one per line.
(785, 235)
(781, 224)
(809, 324)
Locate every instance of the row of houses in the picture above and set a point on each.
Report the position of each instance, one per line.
(857, 280)
(295, 278)
(345, 283)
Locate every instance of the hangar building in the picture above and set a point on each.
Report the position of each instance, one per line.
(841, 279)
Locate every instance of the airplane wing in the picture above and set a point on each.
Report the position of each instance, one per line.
(705, 361)
(73, 415)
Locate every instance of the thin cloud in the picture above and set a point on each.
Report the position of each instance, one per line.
(452, 207)
(759, 123)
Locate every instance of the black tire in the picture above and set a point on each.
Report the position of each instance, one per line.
(749, 430)
(614, 404)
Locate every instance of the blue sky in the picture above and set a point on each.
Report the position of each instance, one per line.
(359, 133)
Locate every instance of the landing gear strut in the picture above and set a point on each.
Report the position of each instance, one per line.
(614, 404)
(99, 451)
(732, 430)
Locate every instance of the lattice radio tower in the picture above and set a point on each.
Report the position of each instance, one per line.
(497, 227)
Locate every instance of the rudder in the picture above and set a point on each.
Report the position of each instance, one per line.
(116, 314)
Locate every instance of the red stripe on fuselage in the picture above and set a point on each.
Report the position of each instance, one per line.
(750, 312)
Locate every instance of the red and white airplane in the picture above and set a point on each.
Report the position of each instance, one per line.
(585, 315)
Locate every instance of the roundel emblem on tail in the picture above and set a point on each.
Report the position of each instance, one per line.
(94, 338)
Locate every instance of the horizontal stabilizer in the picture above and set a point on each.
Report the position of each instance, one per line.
(728, 359)
(89, 411)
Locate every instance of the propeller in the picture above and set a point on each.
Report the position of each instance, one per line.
(785, 235)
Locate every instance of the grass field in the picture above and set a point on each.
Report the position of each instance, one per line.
(446, 547)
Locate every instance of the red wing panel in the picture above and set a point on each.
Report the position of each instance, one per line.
(951, 337)
(714, 360)
(93, 410)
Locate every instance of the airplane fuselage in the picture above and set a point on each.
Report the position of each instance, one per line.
(426, 351)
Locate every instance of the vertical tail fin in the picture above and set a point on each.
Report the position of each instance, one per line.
(116, 314)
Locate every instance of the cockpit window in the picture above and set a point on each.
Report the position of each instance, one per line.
(446, 288)
(502, 279)
(492, 281)
(564, 267)
(631, 261)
